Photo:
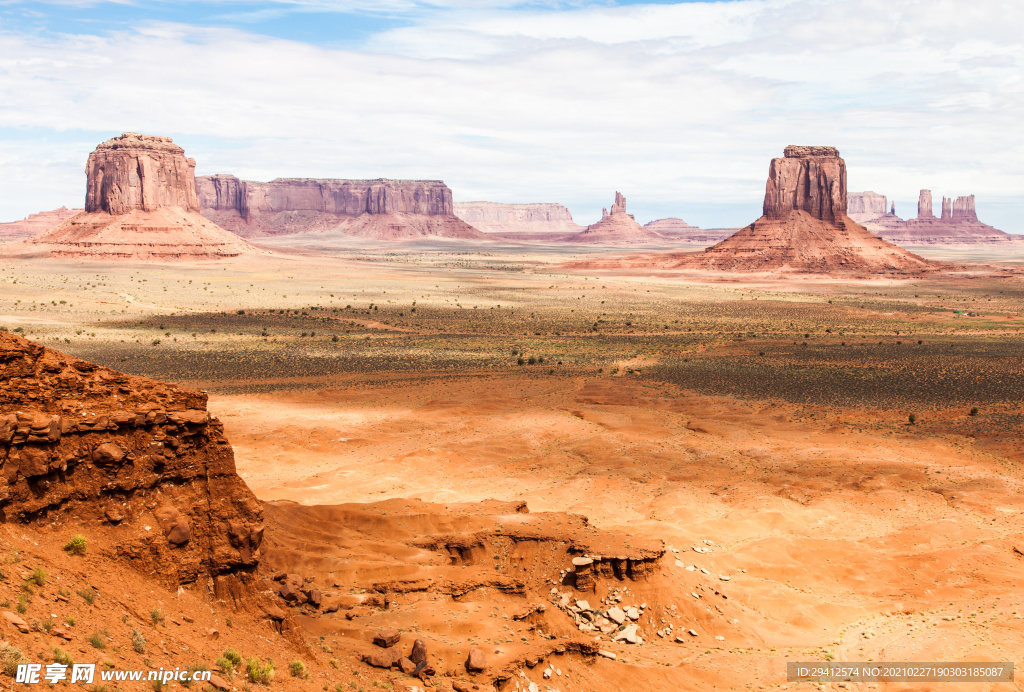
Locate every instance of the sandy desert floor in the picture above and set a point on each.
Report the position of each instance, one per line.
(765, 422)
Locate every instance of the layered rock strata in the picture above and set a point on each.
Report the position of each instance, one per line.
(139, 466)
(382, 209)
(865, 206)
(140, 203)
(805, 227)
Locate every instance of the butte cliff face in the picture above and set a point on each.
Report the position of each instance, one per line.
(535, 221)
(382, 209)
(137, 466)
(617, 227)
(805, 227)
(140, 203)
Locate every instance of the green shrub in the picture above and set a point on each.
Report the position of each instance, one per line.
(234, 657)
(75, 546)
(913, 418)
(258, 672)
(88, 594)
(38, 577)
(298, 669)
(225, 666)
(157, 615)
(974, 411)
(97, 640)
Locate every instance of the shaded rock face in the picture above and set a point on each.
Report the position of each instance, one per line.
(809, 179)
(924, 205)
(299, 205)
(135, 171)
(84, 445)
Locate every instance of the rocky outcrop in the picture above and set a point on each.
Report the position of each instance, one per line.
(518, 221)
(140, 204)
(137, 466)
(617, 227)
(807, 179)
(381, 208)
(805, 227)
(135, 171)
(33, 224)
(957, 224)
(670, 225)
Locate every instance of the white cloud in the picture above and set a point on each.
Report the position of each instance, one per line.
(678, 106)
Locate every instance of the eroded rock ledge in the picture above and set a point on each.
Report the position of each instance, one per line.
(138, 461)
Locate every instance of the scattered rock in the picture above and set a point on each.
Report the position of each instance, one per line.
(16, 622)
(385, 658)
(476, 662)
(419, 651)
(386, 638)
(406, 666)
(606, 654)
(617, 615)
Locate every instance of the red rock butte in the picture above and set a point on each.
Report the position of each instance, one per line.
(140, 203)
(805, 228)
(378, 209)
(957, 225)
(616, 226)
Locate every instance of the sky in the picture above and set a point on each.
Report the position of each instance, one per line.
(678, 105)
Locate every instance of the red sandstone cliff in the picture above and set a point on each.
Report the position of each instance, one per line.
(805, 227)
(382, 209)
(140, 203)
(140, 463)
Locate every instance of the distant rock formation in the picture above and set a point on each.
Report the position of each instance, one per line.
(140, 203)
(518, 221)
(805, 227)
(380, 209)
(680, 231)
(33, 224)
(83, 444)
(669, 225)
(616, 227)
(957, 224)
(864, 206)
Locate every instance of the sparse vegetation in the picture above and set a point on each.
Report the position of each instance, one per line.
(76, 545)
(38, 577)
(138, 641)
(87, 594)
(258, 672)
(10, 658)
(233, 657)
(298, 669)
(97, 640)
(157, 616)
(62, 657)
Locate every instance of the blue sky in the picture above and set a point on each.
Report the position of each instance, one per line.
(678, 105)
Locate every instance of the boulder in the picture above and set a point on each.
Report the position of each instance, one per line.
(419, 651)
(382, 658)
(16, 621)
(386, 638)
(476, 661)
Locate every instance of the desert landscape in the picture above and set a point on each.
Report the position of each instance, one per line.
(355, 443)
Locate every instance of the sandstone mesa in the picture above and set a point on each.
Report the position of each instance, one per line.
(140, 204)
(378, 209)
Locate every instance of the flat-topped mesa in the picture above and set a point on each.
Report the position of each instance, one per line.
(298, 205)
(518, 220)
(809, 179)
(140, 204)
(135, 171)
